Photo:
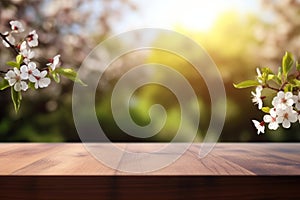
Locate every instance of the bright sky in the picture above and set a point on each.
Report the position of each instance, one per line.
(191, 14)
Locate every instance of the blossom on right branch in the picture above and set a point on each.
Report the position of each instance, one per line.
(257, 98)
(296, 99)
(283, 100)
(272, 119)
(286, 117)
(283, 108)
(260, 126)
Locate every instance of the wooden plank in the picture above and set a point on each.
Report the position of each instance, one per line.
(101, 182)
(72, 159)
(188, 164)
(22, 155)
(263, 159)
(224, 159)
(4, 147)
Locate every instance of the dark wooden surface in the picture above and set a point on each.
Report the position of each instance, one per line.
(68, 171)
(148, 187)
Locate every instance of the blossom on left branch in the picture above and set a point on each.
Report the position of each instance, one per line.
(15, 79)
(24, 72)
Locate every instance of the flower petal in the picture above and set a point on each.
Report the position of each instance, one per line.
(281, 94)
(17, 71)
(288, 95)
(36, 85)
(11, 82)
(17, 87)
(44, 82)
(10, 74)
(273, 126)
(24, 86)
(267, 118)
(32, 79)
(36, 72)
(43, 74)
(31, 66)
(293, 117)
(286, 124)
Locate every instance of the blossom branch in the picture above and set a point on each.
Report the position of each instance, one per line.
(272, 88)
(11, 46)
(284, 109)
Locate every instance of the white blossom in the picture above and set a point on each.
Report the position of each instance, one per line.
(54, 62)
(27, 72)
(271, 119)
(259, 76)
(26, 53)
(40, 79)
(16, 26)
(260, 126)
(23, 46)
(32, 39)
(286, 116)
(14, 79)
(9, 38)
(257, 97)
(297, 101)
(283, 100)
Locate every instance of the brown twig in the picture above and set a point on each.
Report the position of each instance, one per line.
(11, 46)
(270, 87)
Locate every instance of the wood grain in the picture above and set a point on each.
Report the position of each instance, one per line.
(68, 171)
(224, 159)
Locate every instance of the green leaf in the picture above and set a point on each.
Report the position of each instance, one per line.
(13, 64)
(16, 98)
(4, 84)
(272, 77)
(266, 109)
(296, 83)
(279, 72)
(246, 84)
(267, 70)
(70, 74)
(287, 63)
(55, 76)
(288, 88)
(19, 59)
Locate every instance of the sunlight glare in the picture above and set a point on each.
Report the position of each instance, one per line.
(190, 14)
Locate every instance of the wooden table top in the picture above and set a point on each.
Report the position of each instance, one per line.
(224, 159)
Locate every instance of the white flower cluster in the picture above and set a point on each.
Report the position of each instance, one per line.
(283, 107)
(285, 110)
(28, 71)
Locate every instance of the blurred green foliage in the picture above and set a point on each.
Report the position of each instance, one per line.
(233, 47)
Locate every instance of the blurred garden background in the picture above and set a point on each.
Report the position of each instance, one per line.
(238, 35)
